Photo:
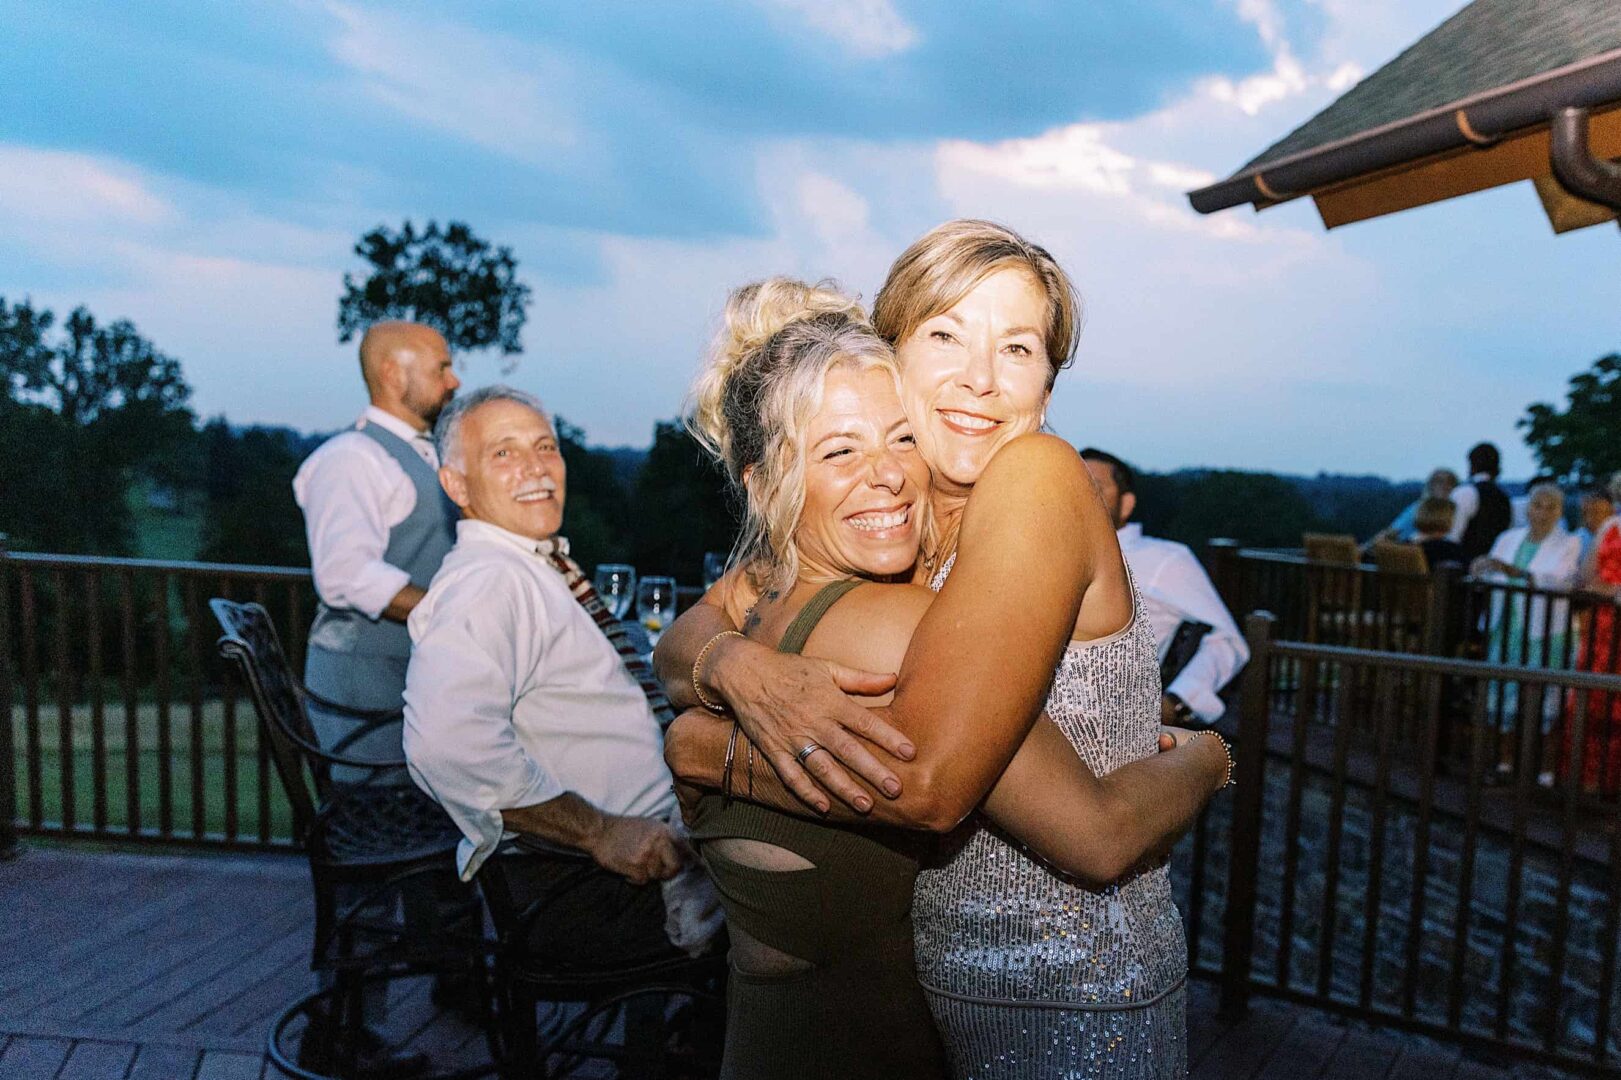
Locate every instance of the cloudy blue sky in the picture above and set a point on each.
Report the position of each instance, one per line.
(204, 169)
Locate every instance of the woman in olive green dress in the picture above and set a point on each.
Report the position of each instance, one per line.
(823, 982)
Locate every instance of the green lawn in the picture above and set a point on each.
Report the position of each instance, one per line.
(165, 534)
(215, 769)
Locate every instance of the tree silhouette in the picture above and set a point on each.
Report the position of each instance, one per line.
(84, 409)
(449, 279)
(1579, 444)
(682, 506)
(90, 371)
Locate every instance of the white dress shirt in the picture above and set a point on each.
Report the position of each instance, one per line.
(514, 696)
(352, 493)
(1176, 588)
(1465, 502)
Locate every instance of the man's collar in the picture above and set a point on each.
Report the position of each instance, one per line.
(468, 529)
(1130, 534)
(390, 423)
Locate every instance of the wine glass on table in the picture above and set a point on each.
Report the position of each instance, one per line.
(616, 584)
(655, 605)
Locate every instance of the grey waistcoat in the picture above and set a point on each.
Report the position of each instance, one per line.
(416, 545)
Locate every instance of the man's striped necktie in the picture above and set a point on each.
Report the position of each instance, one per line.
(555, 549)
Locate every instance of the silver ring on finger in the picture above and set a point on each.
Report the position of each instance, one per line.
(807, 750)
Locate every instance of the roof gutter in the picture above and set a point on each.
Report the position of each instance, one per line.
(1577, 170)
(1479, 120)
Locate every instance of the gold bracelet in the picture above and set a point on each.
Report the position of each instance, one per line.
(1225, 749)
(698, 691)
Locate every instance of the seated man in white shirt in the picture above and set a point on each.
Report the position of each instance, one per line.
(521, 717)
(1175, 589)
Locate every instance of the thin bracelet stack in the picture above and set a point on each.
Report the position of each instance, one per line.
(726, 769)
(1225, 749)
(697, 665)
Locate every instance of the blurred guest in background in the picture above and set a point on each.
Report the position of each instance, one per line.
(1518, 505)
(378, 526)
(1529, 629)
(1404, 529)
(1483, 507)
(1177, 590)
(1597, 509)
(1601, 732)
(1431, 525)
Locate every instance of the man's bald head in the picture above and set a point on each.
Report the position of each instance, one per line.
(407, 370)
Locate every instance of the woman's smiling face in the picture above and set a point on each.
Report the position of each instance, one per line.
(977, 375)
(864, 480)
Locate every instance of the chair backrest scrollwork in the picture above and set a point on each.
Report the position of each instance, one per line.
(250, 641)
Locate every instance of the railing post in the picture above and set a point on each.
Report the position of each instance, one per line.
(1226, 573)
(1254, 720)
(8, 753)
(1445, 598)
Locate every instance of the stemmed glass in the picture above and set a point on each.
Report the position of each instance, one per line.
(616, 584)
(714, 568)
(655, 605)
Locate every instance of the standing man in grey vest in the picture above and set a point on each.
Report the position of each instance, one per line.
(379, 525)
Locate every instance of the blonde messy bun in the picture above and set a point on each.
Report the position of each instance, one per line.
(760, 386)
(755, 313)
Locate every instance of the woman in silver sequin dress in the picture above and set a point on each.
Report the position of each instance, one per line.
(1029, 972)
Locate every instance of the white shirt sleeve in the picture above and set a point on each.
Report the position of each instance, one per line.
(474, 647)
(1465, 501)
(350, 503)
(1222, 651)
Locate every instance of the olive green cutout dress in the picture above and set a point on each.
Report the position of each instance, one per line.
(858, 1011)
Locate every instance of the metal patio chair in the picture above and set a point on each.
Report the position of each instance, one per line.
(364, 841)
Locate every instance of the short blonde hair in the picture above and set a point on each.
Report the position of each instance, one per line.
(944, 264)
(751, 404)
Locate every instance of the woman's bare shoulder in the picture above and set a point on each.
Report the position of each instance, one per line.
(871, 626)
(1032, 462)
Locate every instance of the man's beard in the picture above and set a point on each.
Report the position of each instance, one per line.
(430, 414)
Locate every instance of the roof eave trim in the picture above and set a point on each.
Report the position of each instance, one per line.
(1476, 120)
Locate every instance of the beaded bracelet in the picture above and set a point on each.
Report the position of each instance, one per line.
(697, 665)
(1225, 749)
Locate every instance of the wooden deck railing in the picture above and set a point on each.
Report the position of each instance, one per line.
(121, 721)
(1362, 864)
(1368, 876)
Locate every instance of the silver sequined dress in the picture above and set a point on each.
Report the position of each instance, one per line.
(1030, 974)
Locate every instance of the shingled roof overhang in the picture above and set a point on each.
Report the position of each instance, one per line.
(1465, 108)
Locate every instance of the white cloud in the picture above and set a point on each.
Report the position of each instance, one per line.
(1074, 157)
(871, 29)
(479, 87)
(57, 189)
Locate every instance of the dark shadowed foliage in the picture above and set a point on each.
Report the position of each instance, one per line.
(682, 508)
(1196, 506)
(597, 514)
(249, 515)
(88, 408)
(449, 279)
(1579, 443)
